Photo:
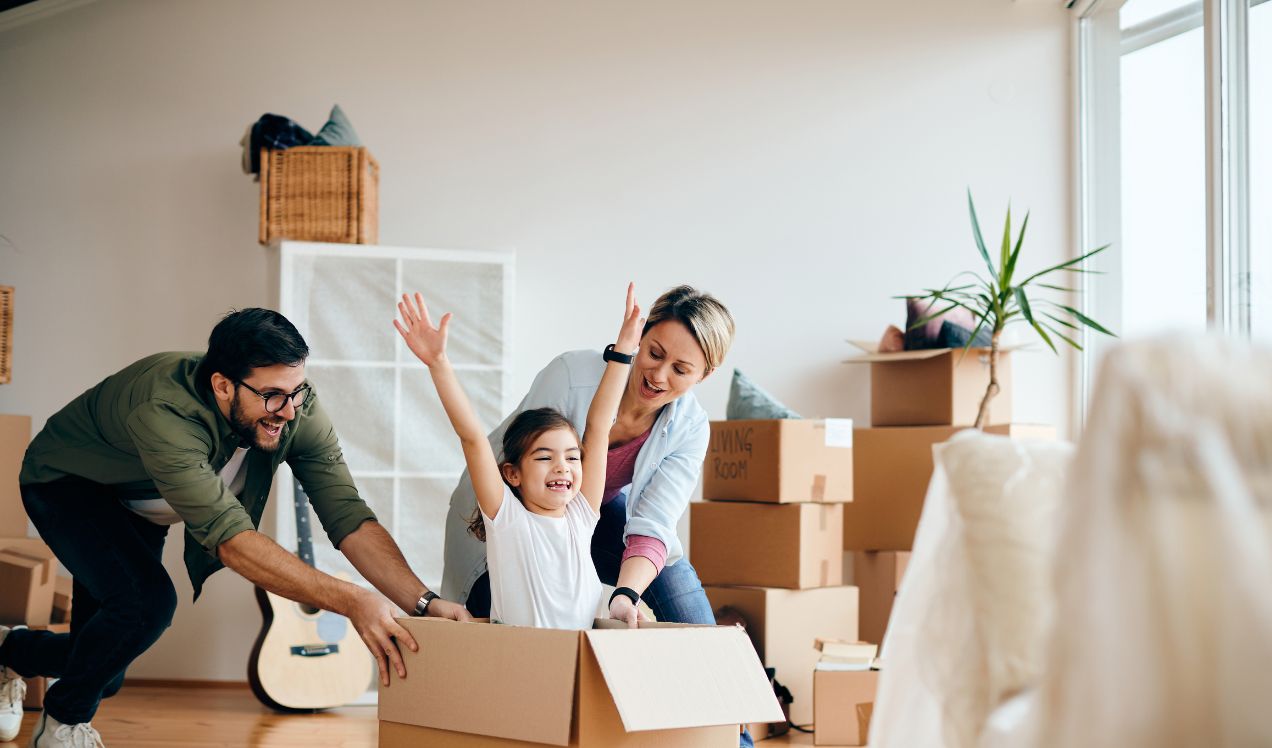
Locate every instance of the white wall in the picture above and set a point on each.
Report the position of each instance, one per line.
(803, 161)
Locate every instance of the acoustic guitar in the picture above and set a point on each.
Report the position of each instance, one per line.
(306, 659)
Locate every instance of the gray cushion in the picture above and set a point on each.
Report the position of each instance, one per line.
(338, 130)
(747, 401)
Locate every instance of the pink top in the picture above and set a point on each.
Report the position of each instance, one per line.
(618, 474)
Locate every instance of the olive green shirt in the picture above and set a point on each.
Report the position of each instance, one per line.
(149, 432)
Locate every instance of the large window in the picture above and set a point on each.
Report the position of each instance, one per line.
(1163, 149)
(1261, 171)
(1174, 112)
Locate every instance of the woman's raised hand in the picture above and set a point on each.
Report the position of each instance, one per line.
(633, 324)
(428, 343)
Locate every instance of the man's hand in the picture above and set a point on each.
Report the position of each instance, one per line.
(440, 608)
(621, 608)
(372, 615)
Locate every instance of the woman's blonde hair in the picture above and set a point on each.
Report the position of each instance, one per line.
(706, 318)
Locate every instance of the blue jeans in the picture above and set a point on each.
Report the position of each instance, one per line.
(123, 599)
(675, 595)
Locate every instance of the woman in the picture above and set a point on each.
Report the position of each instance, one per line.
(656, 449)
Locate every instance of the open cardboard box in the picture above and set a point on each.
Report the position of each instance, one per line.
(796, 546)
(779, 461)
(28, 576)
(493, 685)
(934, 387)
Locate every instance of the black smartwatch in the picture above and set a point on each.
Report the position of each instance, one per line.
(612, 355)
(421, 606)
(626, 592)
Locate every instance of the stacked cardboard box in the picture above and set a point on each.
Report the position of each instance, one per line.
(768, 541)
(15, 434)
(918, 399)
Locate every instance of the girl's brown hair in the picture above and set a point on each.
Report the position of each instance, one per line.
(517, 440)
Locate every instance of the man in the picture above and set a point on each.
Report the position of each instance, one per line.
(192, 438)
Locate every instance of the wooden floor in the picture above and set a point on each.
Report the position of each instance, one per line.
(149, 717)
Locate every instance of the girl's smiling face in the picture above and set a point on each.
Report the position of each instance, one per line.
(550, 472)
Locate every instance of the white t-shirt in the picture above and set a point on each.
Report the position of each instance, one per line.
(161, 512)
(541, 570)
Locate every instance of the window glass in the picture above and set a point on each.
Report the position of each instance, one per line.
(1163, 150)
(1260, 25)
(1135, 12)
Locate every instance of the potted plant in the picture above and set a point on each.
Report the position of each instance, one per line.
(998, 299)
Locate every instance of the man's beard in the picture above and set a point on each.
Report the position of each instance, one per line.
(247, 430)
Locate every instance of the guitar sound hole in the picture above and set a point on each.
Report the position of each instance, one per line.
(309, 610)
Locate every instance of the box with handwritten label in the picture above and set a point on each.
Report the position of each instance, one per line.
(780, 461)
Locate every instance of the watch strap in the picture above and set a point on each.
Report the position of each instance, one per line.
(612, 355)
(421, 605)
(626, 592)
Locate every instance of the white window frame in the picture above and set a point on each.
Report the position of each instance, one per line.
(287, 253)
(1099, 45)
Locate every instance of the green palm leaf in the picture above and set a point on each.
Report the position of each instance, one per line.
(980, 241)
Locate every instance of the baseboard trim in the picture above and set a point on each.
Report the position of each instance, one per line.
(230, 685)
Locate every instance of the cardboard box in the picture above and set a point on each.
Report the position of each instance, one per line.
(877, 574)
(795, 546)
(783, 625)
(894, 466)
(28, 573)
(488, 684)
(39, 685)
(779, 461)
(15, 435)
(937, 387)
(837, 696)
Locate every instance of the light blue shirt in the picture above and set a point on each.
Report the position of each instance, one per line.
(665, 474)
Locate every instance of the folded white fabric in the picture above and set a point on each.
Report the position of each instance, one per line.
(968, 627)
(1164, 565)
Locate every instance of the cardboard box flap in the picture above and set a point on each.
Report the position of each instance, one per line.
(42, 567)
(873, 356)
(500, 681)
(703, 675)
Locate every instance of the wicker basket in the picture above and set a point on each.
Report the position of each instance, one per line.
(6, 334)
(320, 194)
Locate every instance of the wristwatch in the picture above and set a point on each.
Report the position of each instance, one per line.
(421, 606)
(628, 593)
(612, 355)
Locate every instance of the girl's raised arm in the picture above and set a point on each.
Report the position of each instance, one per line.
(604, 407)
(428, 343)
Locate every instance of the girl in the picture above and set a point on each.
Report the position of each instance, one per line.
(538, 508)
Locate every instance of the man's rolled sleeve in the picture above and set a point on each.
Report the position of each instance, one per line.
(318, 463)
(174, 451)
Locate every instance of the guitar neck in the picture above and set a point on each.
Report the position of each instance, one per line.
(304, 537)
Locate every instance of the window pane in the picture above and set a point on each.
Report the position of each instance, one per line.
(422, 523)
(1261, 171)
(1164, 186)
(1135, 12)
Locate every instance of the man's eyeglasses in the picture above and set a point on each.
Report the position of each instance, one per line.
(278, 401)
